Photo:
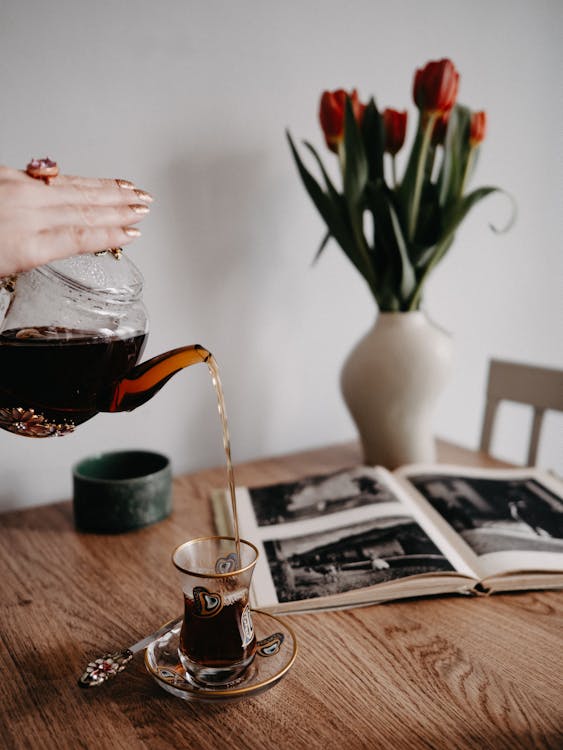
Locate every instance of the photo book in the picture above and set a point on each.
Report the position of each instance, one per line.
(367, 535)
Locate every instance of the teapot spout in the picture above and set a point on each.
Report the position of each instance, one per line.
(147, 378)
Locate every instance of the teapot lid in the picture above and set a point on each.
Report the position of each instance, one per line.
(103, 274)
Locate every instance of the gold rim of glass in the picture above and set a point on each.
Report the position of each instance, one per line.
(230, 573)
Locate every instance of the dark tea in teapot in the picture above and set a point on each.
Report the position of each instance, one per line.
(64, 374)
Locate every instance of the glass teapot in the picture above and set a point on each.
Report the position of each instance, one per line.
(71, 335)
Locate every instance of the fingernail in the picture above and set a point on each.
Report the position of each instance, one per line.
(125, 184)
(132, 231)
(144, 196)
(139, 208)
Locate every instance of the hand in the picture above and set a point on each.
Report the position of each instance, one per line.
(40, 223)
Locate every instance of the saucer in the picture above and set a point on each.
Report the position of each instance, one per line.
(275, 654)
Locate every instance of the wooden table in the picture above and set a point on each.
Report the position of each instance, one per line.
(434, 673)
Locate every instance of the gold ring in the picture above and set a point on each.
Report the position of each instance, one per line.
(42, 169)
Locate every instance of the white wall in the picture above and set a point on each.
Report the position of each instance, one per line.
(190, 100)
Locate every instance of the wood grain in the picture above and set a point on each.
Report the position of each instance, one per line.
(434, 673)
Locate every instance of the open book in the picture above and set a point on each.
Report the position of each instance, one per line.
(367, 535)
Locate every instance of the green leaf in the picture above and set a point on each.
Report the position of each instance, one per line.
(456, 155)
(407, 183)
(397, 273)
(461, 208)
(452, 221)
(316, 193)
(412, 187)
(408, 278)
(325, 206)
(513, 214)
(334, 194)
(340, 222)
(435, 256)
(334, 210)
(355, 177)
(373, 140)
(406, 188)
(429, 227)
(355, 174)
(322, 246)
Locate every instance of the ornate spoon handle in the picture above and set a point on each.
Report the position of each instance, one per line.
(108, 666)
(104, 668)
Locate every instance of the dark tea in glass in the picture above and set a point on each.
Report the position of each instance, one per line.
(224, 641)
(217, 641)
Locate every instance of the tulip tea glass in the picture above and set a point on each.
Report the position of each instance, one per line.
(217, 640)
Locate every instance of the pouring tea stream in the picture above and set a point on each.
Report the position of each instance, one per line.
(71, 338)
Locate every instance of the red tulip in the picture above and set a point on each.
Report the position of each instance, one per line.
(477, 128)
(395, 126)
(435, 86)
(331, 115)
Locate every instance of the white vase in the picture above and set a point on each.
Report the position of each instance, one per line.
(391, 381)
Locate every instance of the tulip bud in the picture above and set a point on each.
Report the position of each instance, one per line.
(477, 128)
(435, 86)
(395, 127)
(331, 115)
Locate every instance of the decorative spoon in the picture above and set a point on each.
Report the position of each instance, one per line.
(108, 666)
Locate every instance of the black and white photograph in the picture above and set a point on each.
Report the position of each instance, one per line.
(494, 515)
(318, 495)
(351, 557)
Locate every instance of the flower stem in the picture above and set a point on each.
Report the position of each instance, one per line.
(468, 170)
(341, 153)
(420, 170)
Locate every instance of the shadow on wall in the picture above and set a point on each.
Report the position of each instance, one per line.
(224, 219)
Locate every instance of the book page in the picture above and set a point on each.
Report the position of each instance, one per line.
(444, 536)
(508, 521)
(327, 535)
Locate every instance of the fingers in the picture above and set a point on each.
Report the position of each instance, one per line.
(69, 189)
(99, 193)
(93, 182)
(9, 173)
(120, 190)
(84, 189)
(72, 215)
(61, 242)
(93, 216)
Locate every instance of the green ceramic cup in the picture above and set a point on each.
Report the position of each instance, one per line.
(121, 491)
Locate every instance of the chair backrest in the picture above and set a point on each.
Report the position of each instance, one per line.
(540, 387)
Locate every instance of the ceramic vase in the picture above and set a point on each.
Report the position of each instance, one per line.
(391, 381)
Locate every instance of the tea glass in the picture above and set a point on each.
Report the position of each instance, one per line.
(217, 640)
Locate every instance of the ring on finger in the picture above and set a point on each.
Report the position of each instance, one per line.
(42, 169)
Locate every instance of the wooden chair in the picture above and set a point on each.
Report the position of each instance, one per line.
(540, 387)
